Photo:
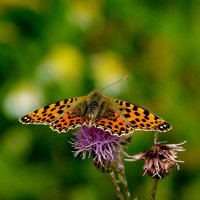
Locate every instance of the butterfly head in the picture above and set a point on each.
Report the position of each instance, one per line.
(96, 95)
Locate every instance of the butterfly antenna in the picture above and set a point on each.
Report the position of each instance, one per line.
(123, 78)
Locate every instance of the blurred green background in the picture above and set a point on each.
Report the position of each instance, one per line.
(44, 44)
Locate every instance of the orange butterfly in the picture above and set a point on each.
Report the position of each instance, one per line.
(96, 109)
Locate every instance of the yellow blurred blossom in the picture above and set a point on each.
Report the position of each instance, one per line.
(107, 68)
(85, 13)
(63, 61)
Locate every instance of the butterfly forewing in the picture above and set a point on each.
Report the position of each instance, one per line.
(140, 118)
(49, 113)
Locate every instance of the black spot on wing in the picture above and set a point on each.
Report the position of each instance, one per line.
(137, 113)
(65, 101)
(137, 120)
(61, 107)
(127, 115)
(142, 125)
(132, 122)
(110, 123)
(146, 112)
(57, 103)
(46, 107)
(128, 110)
(122, 129)
(60, 111)
(135, 108)
(127, 104)
(53, 109)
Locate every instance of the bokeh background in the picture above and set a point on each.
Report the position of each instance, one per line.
(44, 44)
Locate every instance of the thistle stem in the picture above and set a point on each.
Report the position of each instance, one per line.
(154, 189)
(115, 185)
(124, 184)
(121, 176)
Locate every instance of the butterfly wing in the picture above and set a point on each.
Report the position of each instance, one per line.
(71, 119)
(113, 123)
(49, 113)
(141, 119)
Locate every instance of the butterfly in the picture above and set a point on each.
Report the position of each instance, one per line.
(96, 109)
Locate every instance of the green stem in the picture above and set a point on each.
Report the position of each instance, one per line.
(154, 189)
(115, 185)
(124, 184)
(122, 181)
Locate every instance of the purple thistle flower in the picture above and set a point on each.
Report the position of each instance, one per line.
(160, 159)
(101, 145)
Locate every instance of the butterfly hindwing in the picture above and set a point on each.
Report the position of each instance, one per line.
(49, 113)
(69, 120)
(113, 123)
(140, 118)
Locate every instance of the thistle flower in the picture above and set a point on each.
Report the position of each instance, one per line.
(101, 145)
(160, 159)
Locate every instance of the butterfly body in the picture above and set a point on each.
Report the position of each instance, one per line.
(94, 105)
(96, 109)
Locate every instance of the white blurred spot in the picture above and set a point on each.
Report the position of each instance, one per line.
(22, 99)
